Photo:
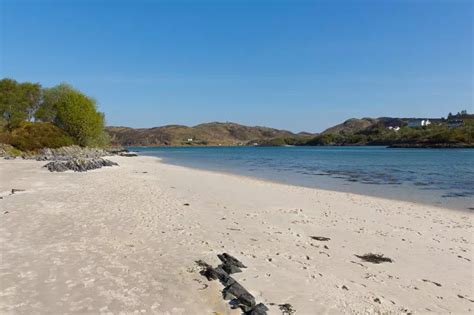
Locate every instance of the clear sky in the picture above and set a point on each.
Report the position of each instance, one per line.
(298, 65)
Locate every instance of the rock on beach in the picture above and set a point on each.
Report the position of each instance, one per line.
(78, 165)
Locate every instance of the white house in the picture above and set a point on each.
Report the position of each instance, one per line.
(419, 122)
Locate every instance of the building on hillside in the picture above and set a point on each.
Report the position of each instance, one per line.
(396, 128)
(418, 123)
(454, 123)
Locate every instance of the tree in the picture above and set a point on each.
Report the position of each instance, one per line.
(77, 115)
(67, 108)
(18, 101)
(47, 111)
(8, 95)
(31, 93)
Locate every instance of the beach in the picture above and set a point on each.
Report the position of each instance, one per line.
(125, 239)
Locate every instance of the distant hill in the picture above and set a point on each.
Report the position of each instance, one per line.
(351, 125)
(214, 133)
(455, 132)
(355, 125)
(386, 131)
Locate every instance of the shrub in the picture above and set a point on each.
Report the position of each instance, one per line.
(77, 114)
(34, 136)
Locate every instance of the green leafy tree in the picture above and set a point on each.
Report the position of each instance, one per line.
(18, 101)
(47, 112)
(77, 115)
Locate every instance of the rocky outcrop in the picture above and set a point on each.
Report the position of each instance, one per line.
(63, 154)
(78, 165)
(72, 158)
(127, 154)
(232, 289)
(67, 153)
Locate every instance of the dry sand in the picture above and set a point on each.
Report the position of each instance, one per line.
(122, 240)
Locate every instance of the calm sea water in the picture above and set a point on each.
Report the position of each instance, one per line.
(443, 177)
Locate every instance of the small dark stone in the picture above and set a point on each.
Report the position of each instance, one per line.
(228, 259)
(234, 291)
(377, 300)
(217, 273)
(435, 283)
(230, 269)
(210, 273)
(320, 238)
(243, 297)
(127, 154)
(207, 270)
(259, 309)
(186, 204)
(222, 275)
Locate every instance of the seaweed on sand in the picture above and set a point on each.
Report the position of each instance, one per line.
(287, 309)
(320, 238)
(374, 258)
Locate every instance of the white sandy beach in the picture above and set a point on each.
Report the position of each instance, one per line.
(122, 240)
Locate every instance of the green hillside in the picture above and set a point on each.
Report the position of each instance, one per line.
(215, 133)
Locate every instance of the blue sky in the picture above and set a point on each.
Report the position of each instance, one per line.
(298, 65)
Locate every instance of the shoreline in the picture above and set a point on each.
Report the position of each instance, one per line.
(163, 160)
(126, 238)
(388, 146)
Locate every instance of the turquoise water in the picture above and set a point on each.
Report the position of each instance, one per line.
(443, 177)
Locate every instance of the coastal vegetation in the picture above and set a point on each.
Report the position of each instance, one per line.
(385, 131)
(32, 117)
(209, 134)
(435, 135)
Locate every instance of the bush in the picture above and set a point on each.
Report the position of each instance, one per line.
(76, 114)
(327, 139)
(431, 135)
(34, 136)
